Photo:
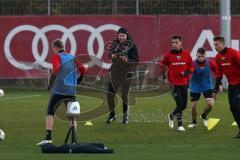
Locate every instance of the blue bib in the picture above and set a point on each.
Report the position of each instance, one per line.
(66, 80)
(201, 79)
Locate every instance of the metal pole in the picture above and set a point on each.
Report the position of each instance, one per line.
(137, 7)
(114, 7)
(225, 27)
(225, 21)
(49, 7)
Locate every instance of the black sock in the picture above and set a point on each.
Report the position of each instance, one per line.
(112, 114)
(179, 123)
(204, 116)
(171, 116)
(206, 111)
(125, 116)
(48, 135)
(179, 119)
(194, 121)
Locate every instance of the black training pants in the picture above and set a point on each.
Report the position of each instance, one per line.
(180, 95)
(113, 86)
(234, 102)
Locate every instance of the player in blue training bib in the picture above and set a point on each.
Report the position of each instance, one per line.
(201, 83)
(67, 73)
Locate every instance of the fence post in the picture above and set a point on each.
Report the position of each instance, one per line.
(137, 7)
(225, 27)
(49, 7)
(114, 7)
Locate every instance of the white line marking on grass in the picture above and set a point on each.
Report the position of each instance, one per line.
(20, 97)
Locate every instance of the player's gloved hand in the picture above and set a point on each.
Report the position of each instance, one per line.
(186, 73)
(79, 79)
(218, 83)
(163, 78)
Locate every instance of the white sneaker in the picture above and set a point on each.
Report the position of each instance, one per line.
(44, 142)
(205, 122)
(192, 125)
(181, 129)
(170, 122)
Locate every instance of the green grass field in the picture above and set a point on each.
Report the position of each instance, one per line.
(147, 136)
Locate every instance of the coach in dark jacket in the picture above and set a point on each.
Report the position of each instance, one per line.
(124, 59)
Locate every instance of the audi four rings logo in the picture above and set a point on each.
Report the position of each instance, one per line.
(40, 35)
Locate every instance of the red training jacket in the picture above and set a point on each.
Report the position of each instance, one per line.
(228, 63)
(176, 64)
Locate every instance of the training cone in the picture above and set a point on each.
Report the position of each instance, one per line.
(234, 124)
(88, 123)
(212, 122)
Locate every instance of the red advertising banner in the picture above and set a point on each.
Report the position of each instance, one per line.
(26, 41)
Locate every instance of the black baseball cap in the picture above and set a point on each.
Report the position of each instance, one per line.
(122, 30)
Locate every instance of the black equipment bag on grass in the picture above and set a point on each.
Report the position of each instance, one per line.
(76, 148)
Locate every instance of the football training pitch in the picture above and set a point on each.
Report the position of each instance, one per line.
(147, 135)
